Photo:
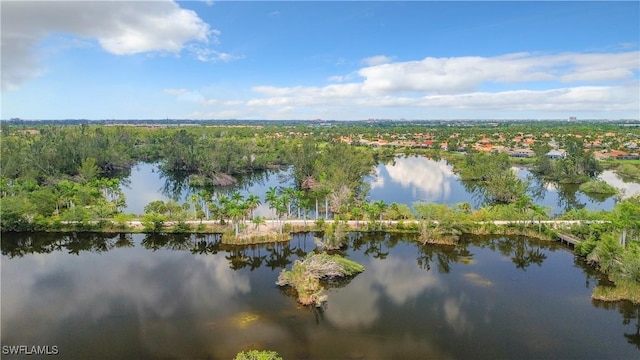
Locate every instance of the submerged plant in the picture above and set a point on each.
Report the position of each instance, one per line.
(305, 275)
(258, 355)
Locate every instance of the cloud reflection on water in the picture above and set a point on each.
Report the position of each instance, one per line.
(428, 180)
(393, 278)
(50, 298)
(628, 188)
(455, 316)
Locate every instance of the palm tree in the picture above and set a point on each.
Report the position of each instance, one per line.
(238, 201)
(257, 221)
(298, 195)
(271, 197)
(304, 204)
(288, 195)
(281, 209)
(205, 197)
(235, 211)
(325, 193)
(253, 201)
(356, 211)
(236, 197)
(194, 199)
(224, 205)
(316, 193)
(380, 207)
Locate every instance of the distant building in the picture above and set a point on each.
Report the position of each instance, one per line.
(29, 132)
(573, 118)
(522, 153)
(556, 154)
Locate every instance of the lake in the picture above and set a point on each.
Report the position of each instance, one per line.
(127, 296)
(405, 180)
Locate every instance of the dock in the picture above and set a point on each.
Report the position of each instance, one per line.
(569, 239)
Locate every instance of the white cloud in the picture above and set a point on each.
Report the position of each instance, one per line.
(120, 27)
(377, 60)
(569, 82)
(462, 74)
(205, 54)
(592, 84)
(185, 95)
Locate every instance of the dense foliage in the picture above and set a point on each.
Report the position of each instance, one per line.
(575, 166)
(491, 177)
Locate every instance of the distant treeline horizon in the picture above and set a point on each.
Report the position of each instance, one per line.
(316, 122)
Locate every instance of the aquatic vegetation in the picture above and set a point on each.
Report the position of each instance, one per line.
(629, 172)
(258, 355)
(305, 275)
(623, 290)
(335, 236)
(477, 279)
(243, 319)
(621, 264)
(598, 187)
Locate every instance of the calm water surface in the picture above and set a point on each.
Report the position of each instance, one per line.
(177, 297)
(405, 180)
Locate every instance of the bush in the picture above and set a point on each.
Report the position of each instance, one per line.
(121, 220)
(629, 268)
(305, 275)
(629, 171)
(607, 254)
(181, 227)
(153, 222)
(585, 248)
(598, 187)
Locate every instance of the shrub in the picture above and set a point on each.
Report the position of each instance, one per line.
(629, 171)
(181, 227)
(305, 275)
(585, 248)
(606, 254)
(121, 220)
(598, 187)
(153, 222)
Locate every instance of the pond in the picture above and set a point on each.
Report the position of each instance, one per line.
(127, 296)
(405, 180)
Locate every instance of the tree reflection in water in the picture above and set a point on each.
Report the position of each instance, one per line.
(521, 251)
(630, 313)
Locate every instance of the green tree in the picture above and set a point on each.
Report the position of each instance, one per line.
(88, 170)
(153, 222)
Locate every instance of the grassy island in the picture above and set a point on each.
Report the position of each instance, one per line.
(306, 276)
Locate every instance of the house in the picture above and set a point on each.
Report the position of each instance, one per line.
(522, 153)
(628, 157)
(556, 154)
(618, 154)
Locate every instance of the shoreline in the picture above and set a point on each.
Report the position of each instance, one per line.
(280, 230)
(275, 231)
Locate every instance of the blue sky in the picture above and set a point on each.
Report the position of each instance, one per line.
(312, 59)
